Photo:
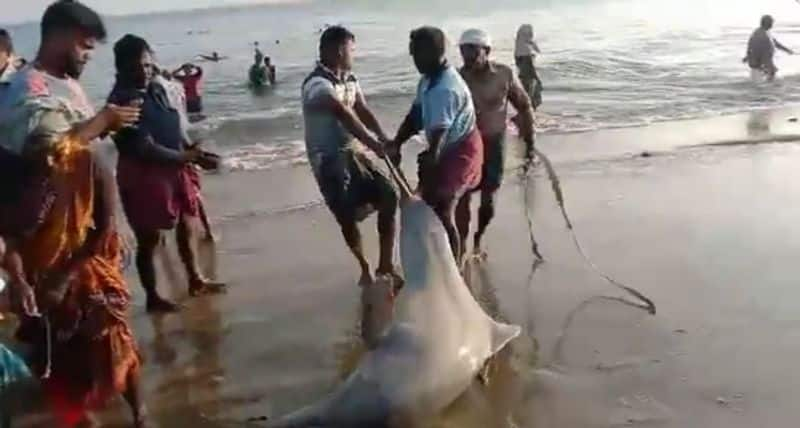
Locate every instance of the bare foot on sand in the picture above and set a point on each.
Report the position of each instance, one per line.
(157, 304)
(397, 280)
(479, 254)
(203, 287)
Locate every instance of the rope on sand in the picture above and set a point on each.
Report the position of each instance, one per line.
(528, 215)
(555, 183)
(558, 348)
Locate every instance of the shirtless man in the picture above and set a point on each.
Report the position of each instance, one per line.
(761, 51)
(493, 86)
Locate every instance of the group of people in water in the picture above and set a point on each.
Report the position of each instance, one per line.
(59, 242)
(262, 72)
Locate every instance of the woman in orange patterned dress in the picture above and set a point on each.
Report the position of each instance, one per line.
(82, 345)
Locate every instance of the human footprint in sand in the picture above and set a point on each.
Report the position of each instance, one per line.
(493, 86)
(159, 185)
(339, 130)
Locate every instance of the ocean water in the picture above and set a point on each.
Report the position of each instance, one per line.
(605, 63)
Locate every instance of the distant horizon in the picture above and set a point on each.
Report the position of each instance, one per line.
(32, 10)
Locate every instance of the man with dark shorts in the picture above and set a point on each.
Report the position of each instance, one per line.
(451, 166)
(340, 130)
(493, 86)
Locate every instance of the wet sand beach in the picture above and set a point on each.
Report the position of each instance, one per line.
(708, 231)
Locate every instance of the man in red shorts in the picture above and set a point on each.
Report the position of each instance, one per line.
(159, 187)
(451, 166)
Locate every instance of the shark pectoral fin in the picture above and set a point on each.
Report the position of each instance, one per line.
(502, 334)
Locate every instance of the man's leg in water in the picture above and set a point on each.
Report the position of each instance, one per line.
(207, 235)
(186, 236)
(445, 209)
(147, 242)
(494, 161)
(485, 216)
(463, 218)
(352, 236)
(387, 214)
(770, 69)
(443, 205)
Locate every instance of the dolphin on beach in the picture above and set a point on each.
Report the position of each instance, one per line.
(429, 354)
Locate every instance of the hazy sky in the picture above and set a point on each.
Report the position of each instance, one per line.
(29, 10)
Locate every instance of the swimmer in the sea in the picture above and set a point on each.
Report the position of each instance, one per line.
(214, 57)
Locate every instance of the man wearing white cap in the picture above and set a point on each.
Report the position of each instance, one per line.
(493, 86)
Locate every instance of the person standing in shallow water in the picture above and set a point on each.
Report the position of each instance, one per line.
(493, 86)
(760, 55)
(191, 76)
(270, 69)
(525, 51)
(262, 74)
(158, 184)
(340, 129)
(451, 166)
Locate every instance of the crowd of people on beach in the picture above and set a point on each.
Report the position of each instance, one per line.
(58, 215)
(59, 240)
(463, 114)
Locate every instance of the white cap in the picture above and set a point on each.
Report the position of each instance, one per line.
(476, 37)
